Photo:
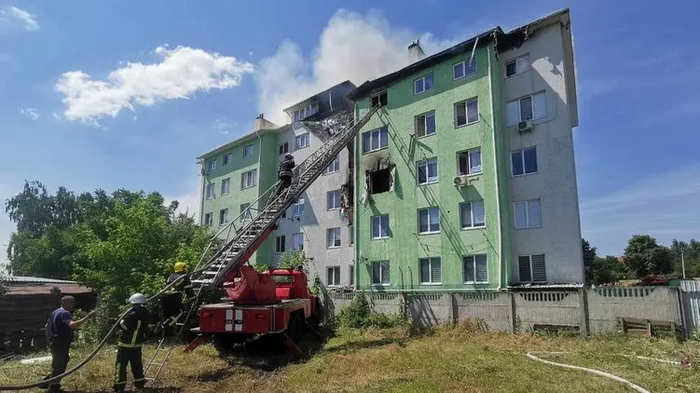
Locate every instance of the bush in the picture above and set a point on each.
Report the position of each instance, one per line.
(359, 315)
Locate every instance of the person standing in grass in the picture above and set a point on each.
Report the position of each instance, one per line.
(59, 331)
(134, 326)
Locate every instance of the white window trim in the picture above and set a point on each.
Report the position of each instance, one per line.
(302, 241)
(254, 179)
(425, 124)
(296, 205)
(429, 232)
(464, 66)
(297, 138)
(473, 256)
(212, 165)
(229, 159)
(246, 209)
(522, 160)
(335, 278)
(328, 208)
(245, 150)
(210, 222)
(379, 136)
(430, 271)
(328, 232)
(213, 194)
(437, 170)
(535, 120)
(515, 60)
(371, 230)
(466, 152)
(473, 227)
(226, 221)
(466, 112)
(228, 190)
(423, 79)
(527, 214)
(332, 166)
(284, 244)
(380, 284)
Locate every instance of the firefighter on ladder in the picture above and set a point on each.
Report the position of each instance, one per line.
(134, 326)
(284, 173)
(172, 300)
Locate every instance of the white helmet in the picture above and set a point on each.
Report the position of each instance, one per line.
(137, 298)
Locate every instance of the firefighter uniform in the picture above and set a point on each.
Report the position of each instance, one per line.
(133, 326)
(284, 173)
(172, 300)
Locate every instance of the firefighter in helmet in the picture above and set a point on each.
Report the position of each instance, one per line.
(133, 326)
(172, 300)
(284, 173)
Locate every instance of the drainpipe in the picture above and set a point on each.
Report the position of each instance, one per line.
(201, 195)
(498, 186)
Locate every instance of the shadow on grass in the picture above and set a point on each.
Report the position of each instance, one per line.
(165, 389)
(357, 345)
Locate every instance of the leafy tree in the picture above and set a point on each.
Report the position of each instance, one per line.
(643, 256)
(601, 270)
(690, 252)
(292, 260)
(589, 257)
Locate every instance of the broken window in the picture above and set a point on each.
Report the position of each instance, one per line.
(379, 99)
(380, 181)
(425, 124)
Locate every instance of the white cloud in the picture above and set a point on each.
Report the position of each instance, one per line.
(182, 72)
(31, 113)
(188, 202)
(352, 46)
(663, 205)
(28, 20)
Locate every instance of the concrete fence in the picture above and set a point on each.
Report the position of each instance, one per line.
(589, 310)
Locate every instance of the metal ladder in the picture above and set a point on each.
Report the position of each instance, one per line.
(253, 232)
(157, 362)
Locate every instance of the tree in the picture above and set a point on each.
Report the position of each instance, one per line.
(688, 251)
(643, 256)
(589, 257)
(600, 270)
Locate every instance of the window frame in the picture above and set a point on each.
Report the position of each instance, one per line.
(423, 79)
(532, 108)
(280, 244)
(302, 136)
(227, 158)
(209, 219)
(295, 207)
(226, 190)
(527, 203)
(467, 153)
(283, 148)
(428, 209)
(381, 226)
(430, 270)
(336, 276)
(379, 138)
(514, 60)
(295, 237)
(334, 165)
(521, 152)
(246, 209)
(212, 165)
(338, 200)
(253, 177)
(337, 238)
(471, 209)
(246, 152)
(532, 275)
(466, 112)
(425, 163)
(223, 216)
(211, 186)
(464, 64)
(383, 265)
(474, 266)
(425, 115)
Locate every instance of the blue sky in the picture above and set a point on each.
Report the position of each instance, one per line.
(104, 94)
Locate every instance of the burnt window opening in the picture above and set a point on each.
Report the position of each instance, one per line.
(380, 181)
(379, 99)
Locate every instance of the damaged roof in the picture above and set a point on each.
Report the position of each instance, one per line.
(504, 41)
(346, 82)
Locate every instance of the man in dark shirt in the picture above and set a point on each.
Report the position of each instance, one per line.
(172, 300)
(133, 326)
(284, 173)
(59, 331)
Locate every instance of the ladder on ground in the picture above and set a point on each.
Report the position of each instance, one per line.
(254, 230)
(157, 362)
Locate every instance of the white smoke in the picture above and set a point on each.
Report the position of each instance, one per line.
(352, 46)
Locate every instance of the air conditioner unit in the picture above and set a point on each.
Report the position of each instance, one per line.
(461, 181)
(525, 126)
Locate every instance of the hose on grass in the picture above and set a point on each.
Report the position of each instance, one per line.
(532, 356)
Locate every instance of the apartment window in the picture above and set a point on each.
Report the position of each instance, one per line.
(380, 273)
(223, 216)
(280, 244)
(475, 269)
(227, 158)
(245, 212)
(297, 241)
(351, 275)
(212, 165)
(301, 114)
(302, 140)
(427, 171)
(423, 84)
(524, 161)
(469, 162)
(334, 166)
(472, 215)
(299, 169)
(429, 220)
(379, 99)
(211, 190)
(380, 227)
(248, 151)
(518, 65)
(375, 140)
(249, 179)
(528, 214)
(467, 112)
(463, 68)
(532, 268)
(333, 200)
(425, 124)
(333, 237)
(284, 148)
(225, 186)
(209, 219)
(532, 107)
(333, 276)
(430, 271)
(298, 208)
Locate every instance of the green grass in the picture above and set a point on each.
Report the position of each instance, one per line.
(454, 359)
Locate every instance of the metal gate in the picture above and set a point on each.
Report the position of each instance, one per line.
(690, 306)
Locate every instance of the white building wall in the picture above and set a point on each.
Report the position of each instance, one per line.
(554, 184)
(317, 219)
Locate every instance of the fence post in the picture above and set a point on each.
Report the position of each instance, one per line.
(583, 307)
(513, 313)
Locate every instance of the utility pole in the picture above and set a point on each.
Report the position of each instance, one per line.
(683, 263)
